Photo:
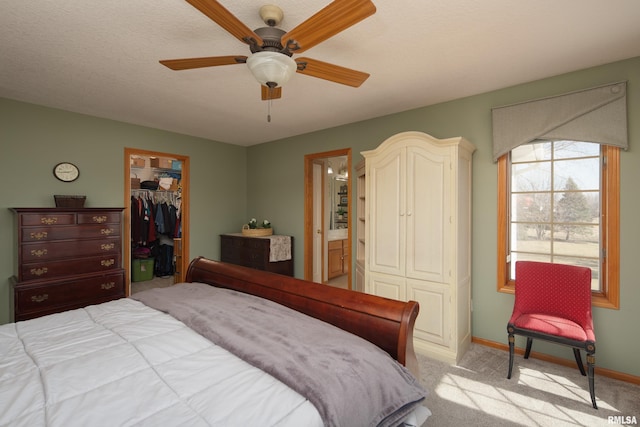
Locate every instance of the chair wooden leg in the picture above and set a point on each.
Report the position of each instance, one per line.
(591, 361)
(511, 349)
(576, 354)
(528, 350)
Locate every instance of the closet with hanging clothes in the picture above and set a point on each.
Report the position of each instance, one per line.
(155, 218)
(155, 223)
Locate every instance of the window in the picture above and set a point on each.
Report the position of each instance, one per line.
(559, 202)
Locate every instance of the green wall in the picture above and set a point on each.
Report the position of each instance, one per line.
(231, 184)
(33, 139)
(275, 190)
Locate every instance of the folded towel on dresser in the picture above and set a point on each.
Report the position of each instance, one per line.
(280, 248)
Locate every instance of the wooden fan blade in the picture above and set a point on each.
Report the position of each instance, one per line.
(267, 93)
(333, 73)
(221, 16)
(211, 61)
(335, 17)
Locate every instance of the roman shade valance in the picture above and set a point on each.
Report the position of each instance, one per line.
(595, 115)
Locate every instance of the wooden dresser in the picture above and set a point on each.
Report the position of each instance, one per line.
(253, 252)
(66, 258)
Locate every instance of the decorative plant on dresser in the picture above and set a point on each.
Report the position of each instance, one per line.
(67, 258)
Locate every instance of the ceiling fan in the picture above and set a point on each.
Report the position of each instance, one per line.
(272, 48)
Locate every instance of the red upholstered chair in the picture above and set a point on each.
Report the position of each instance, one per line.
(553, 303)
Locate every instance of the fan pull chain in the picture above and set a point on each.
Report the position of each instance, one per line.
(270, 85)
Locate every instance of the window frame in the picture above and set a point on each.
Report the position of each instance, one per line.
(609, 294)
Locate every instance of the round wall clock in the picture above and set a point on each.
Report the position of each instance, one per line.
(66, 172)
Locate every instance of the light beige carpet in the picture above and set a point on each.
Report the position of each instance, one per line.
(477, 392)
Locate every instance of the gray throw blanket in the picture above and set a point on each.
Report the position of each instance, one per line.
(348, 379)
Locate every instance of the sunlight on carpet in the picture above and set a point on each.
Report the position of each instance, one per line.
(540, 394)
(520, 407)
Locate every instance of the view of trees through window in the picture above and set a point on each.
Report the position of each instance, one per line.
(555, 204)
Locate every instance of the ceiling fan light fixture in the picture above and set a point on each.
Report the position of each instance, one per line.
(271, 67)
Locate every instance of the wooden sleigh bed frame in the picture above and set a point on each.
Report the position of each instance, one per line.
(385, 322)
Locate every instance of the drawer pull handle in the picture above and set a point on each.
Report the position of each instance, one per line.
(107, 246)
(100, 219)
(39, 271)
(106, 231)
(40, 298)
(107, 262)
(49, 220)
(40, 235)
(38, 252)
(107, 286)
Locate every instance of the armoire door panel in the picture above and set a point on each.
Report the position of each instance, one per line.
(433, 324)
(386, 216)
(428, 223)
(388, 286)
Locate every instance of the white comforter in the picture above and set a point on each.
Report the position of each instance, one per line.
(118, 364)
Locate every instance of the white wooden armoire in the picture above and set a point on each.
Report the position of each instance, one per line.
(418, 235)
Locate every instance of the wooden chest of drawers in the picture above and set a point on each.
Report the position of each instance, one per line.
(253, 252)
(67, 258)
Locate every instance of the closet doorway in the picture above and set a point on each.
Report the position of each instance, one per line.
(327, 234)
(142, 170)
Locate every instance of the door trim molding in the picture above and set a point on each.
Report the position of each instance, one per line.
(308, 209)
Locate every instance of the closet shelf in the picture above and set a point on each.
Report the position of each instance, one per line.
(176, 171)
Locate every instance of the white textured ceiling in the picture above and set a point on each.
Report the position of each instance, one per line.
(101, 58)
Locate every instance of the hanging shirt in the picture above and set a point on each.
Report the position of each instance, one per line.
(152, 223)
(159, 219)
(135, 221)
